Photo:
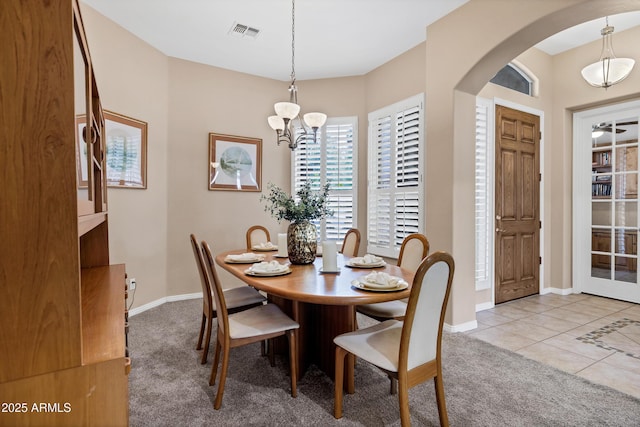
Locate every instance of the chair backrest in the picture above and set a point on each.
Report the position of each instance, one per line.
(207, 307)
(351, 242)
(414, 249)
(222, 316)
(426, 309)
(257, 234)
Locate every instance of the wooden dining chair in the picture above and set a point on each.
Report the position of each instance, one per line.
(238, 299)
(245, 327)
(351, 242)
(413, 250)
(409, 354)
(257, 234)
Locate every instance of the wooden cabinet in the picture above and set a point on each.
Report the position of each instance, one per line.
(62, 305)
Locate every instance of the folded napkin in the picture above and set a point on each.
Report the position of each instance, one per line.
(268, 267)
(249, 256)
(265, 245)
(367, 259)
(381, 280)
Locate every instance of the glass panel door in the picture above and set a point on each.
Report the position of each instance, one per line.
(614, 199)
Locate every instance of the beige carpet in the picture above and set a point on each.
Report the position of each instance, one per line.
(484, 386)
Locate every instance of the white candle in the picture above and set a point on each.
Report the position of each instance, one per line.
(282, 245)
(329, 256)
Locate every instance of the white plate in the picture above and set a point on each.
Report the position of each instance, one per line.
(376, 288)
(358, 265)
(267, 273)
(281, 256)
(259, 249)
(244, 261)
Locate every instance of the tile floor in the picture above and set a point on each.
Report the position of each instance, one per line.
(593, 337)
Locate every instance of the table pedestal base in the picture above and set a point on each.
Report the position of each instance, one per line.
(319, 325)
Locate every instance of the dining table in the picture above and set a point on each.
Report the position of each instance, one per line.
(323, 303)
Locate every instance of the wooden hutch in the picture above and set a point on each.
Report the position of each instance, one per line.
(62, 306)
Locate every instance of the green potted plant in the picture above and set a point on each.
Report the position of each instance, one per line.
(302, 236)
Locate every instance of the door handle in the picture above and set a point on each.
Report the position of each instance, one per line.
(500, 230)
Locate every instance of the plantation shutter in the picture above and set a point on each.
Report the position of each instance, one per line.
(331, 160)
(483, 198)
(395, 190)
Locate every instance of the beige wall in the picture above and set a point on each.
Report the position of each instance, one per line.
(132, 79)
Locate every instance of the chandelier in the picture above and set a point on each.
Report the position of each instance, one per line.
(288, 112)
(609, 70)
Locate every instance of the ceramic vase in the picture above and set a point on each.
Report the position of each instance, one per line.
(302, 242)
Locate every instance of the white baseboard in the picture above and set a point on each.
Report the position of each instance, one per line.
(161, 301)
(558, 291)
(463, 327)
(484, 306)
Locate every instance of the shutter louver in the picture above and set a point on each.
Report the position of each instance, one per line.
(331, 160)
(482, 197)
(395, 176)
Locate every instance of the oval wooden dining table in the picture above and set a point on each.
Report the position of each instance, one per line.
(322, 303)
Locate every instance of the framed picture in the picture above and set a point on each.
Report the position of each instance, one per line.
(126, 145)
(235, 163)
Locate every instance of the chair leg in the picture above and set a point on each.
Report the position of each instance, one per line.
(207, 340)
(338, 381)
(214, 367)
(272, 355)
(403, 400)
(223, 377)
(293, 362)
(393, 385)
(201, 333)
(442, 406)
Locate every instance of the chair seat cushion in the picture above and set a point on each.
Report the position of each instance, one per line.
(261, 320)
(241, 296)
(388, 309)
(377, 344)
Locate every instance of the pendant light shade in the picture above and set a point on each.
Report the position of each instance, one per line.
(609, 70)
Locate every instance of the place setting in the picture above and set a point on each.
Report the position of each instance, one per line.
(367, 261)
(245, 258)
(267, 269)
(265, 247)
(379, 282)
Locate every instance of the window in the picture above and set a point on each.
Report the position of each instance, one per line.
(332, 159)
(513, 77)
(484, 194)
(395, 192)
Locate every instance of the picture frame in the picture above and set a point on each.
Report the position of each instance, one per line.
(235, 163)
(126, 151)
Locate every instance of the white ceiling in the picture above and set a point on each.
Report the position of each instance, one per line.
(334, 38)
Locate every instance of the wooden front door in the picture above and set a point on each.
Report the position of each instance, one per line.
(517, 201)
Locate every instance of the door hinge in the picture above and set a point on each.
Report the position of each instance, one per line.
(540, 224)
(540, 260)
(540, 134)
(540, 177)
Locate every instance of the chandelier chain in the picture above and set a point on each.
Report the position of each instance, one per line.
(293, 40)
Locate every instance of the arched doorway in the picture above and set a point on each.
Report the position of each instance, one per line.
(484, 43)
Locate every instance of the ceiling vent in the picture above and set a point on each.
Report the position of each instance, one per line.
(243, 31)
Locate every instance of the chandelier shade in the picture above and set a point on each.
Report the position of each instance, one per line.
(609, 70)
(289, 112)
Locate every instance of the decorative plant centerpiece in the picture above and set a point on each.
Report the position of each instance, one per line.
(302, 235)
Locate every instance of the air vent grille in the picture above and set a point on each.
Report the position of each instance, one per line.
(244, 31)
